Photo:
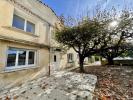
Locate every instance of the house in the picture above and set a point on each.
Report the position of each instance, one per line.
(27, 41)
(71, 59)
(26, 28)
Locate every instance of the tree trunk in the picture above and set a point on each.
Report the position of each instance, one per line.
(81, 63)
(110, 61)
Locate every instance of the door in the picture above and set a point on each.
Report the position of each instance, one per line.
(55, 64)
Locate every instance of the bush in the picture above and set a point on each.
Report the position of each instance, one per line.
(119, 62)
(123, 62)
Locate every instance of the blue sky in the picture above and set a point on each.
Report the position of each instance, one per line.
(76, 8)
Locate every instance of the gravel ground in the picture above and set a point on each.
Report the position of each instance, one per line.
(114, 82)
(61, 85)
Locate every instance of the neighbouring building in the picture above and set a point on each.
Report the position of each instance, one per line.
(26, 28)
(70, 59)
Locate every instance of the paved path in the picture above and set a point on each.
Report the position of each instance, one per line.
(61, 85)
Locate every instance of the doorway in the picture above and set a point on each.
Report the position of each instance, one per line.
(55, 62)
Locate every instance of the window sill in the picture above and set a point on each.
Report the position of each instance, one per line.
(22, 31)
(6, 70)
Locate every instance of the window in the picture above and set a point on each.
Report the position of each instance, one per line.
(70, 58)
(18, 58)
(30, 27)
(11, 60)
(21, 57)
(54, 58)
(23, 24)
(18, 22)
(31, 57)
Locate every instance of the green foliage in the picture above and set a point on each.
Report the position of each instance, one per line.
(84, 38)
(81, 35)
(116, 41)
(128, 53)
(96, 36)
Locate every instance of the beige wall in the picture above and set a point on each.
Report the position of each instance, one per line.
(65, 64)
(7, 9)
(27, 73)
(44, 21)
(64, 60)
(42, 54)
(42, 33)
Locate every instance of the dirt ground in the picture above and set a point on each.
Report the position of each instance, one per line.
(114, 82)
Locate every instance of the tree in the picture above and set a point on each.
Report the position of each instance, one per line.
(116, 40)
(83, 38)
(114, 51)
(105, 34)
(129, 51)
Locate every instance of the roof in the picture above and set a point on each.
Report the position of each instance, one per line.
(40, 1)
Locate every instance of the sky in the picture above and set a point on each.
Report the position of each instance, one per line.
(75, 8)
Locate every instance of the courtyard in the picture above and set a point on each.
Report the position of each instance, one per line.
(60, 85)
(63, 50)
(97, 83)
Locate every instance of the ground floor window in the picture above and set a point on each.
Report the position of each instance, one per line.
(20, 58)
(11, 60)
(70, 57)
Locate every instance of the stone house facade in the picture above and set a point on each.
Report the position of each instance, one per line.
(27, 41)
(25, 33)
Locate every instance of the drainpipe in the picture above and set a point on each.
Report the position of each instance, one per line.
(49, 61)
(49, 49)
